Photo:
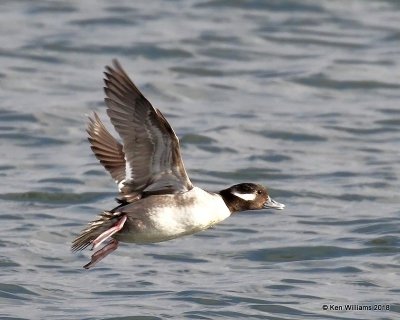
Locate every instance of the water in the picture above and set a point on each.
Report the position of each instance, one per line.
(302, 96)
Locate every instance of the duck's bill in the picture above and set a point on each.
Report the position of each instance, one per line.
(272, 204)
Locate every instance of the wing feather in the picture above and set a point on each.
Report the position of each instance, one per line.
(106, 148)
(150, 145)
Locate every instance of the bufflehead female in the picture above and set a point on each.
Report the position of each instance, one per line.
(157, 200)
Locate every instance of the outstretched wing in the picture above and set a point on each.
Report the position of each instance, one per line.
(106, 149)
(151, 148)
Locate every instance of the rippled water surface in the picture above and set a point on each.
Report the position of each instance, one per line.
(302, 96)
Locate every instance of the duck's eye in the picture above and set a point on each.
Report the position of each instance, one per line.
(259, 191)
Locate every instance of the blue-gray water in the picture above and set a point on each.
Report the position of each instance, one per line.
(303, 96)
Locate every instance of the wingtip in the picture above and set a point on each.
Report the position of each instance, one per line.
(93, 115)
(92, 120)
(114, 65)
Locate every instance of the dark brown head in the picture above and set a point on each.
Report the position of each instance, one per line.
(248, 196)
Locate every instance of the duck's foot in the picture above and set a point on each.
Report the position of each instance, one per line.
(108, 233)
(102, 253)
(107, 249)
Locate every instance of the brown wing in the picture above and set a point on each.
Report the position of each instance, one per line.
(151, 147)
(106, 148)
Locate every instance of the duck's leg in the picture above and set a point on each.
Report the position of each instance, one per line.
(107, 249)
(102, 253)
(108, 233)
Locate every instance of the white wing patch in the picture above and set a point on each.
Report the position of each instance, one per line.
(128, 175)
(121, 184)
(245, 196)
(128, 170)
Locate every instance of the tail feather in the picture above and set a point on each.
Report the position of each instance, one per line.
(95, 228)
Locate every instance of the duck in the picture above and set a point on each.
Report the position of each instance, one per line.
(156, 200)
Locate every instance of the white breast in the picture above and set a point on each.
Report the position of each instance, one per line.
(188, 213)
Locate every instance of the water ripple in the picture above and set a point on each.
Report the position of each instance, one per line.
(45, 197)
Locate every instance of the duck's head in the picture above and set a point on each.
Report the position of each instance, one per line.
(249, 196)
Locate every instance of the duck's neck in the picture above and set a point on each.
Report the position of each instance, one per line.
(230, 200)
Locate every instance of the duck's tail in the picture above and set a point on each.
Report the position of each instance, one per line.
(105, 221)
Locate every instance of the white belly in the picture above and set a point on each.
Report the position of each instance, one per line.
(185, 214)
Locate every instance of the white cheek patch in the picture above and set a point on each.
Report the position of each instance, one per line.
(245, 196)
